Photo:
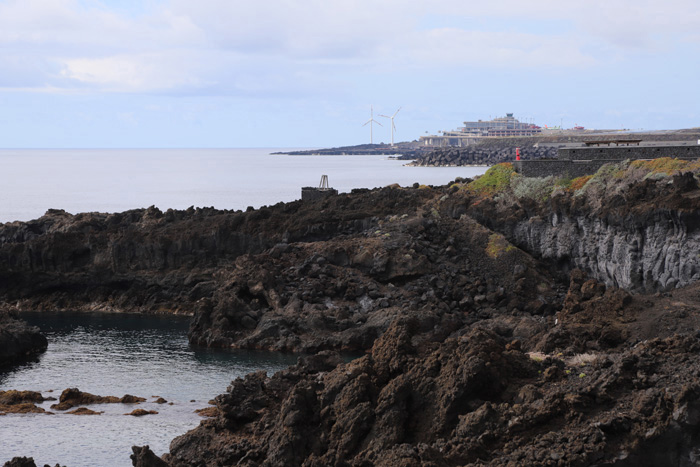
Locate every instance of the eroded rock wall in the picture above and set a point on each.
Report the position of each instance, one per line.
(642, 237)
(655, 253)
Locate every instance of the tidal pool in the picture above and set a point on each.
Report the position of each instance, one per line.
(114, 355)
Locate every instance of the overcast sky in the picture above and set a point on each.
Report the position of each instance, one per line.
(303, 73)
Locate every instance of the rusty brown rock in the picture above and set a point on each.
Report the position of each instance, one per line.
(141, 412)
(83, 411)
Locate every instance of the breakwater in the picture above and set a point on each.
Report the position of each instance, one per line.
(480, 155)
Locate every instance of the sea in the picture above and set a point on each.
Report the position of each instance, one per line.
(149, 356)
(114, 180)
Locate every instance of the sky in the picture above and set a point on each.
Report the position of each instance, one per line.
(304, 73)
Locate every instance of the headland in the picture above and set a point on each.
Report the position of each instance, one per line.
(505, 320)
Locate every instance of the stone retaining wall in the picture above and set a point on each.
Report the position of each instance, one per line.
(576, 162)
(629, 152)
(572, 169)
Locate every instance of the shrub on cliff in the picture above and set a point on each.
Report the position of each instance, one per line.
(579, 182)
(496, 179)
(498, 245)
(536, 188)
(608, 179)
(663, 166)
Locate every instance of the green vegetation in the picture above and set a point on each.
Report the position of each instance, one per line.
(579, 182)
(539, 189)
(563, 182)
(665, 165)
(498, 245)
(494, 180)
(502, 182)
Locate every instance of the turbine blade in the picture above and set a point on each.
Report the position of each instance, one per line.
(396, 112)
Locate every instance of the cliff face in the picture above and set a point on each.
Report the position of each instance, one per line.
(658, 252)
(150, 261)
(638, 236)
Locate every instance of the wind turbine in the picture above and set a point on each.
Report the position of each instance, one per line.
(370, 122)
(393, 127)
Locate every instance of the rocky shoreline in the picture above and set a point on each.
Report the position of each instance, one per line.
(408, 150)
(503, 320)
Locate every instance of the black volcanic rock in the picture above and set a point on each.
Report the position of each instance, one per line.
(473, 399)
(24, 462)
(480, 155)
(18, 340)
(20, 462)
(144, 457)
(492, 326)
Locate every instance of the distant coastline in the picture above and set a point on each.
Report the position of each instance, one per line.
(488, 151)
(406, 149)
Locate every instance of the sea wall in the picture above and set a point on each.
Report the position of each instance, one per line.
(629, 152)
(559, 168)
(576, 162)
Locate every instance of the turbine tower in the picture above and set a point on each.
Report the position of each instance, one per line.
(393, 127)
(370, 122)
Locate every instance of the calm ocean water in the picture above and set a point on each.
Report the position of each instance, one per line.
(114, 180)
(118, 354)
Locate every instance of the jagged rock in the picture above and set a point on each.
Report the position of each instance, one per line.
(18, 340)
(83, 411)
(73, 396)
(20, 462)
(142, 412)
(144, 457)
(20, 402)
(17, 397)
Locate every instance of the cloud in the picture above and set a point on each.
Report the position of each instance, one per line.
(139, 72)
(297, 46)
(475, 49)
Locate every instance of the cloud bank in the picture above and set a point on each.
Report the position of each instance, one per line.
(224, 47)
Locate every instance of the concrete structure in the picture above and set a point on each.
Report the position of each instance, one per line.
(586, 160)
(322, 191)
(473, 132)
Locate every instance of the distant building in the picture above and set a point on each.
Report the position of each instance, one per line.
(472, 132)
